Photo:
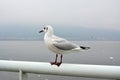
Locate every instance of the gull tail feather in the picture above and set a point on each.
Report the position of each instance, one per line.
(84, 48)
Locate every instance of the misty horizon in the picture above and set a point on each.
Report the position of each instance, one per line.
(15, 32)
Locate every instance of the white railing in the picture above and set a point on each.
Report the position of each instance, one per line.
(78, 70)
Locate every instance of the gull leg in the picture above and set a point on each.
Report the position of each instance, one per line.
(53, 63)
(58, 64)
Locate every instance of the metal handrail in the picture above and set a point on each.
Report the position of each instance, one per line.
(78, 70)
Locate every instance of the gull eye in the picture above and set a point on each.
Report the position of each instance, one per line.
(44, 28)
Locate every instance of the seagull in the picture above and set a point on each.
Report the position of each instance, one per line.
(59, 45)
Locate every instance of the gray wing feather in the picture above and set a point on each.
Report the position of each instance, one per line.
(65, 46)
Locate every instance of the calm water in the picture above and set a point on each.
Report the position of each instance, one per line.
(101, 53)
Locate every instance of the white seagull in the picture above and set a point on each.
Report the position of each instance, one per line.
(59, 45)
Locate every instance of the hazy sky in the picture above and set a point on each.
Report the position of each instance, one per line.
(85, 13)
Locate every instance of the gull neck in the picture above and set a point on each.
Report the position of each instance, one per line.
(49, 33)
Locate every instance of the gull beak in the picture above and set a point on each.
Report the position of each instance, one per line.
(41, 31)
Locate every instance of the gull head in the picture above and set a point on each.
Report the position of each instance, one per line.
(47, 29)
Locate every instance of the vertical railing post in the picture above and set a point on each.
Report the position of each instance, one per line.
(22, 75)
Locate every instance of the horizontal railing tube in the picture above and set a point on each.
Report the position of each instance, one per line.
(78, 70)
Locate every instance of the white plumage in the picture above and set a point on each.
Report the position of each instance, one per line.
(59, 45)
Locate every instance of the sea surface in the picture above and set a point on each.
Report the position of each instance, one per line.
(101, 53)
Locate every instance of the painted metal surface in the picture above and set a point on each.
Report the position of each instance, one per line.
(23, 75)
(78, 70)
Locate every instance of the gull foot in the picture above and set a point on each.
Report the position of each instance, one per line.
(53, 63)
(58, 64)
